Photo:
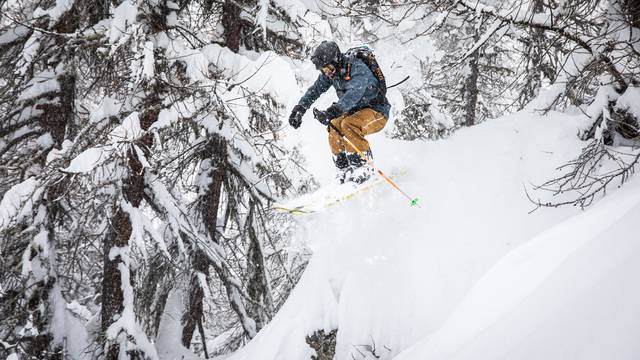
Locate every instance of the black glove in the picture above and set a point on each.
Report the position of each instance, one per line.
(295, 119)
(326, 116)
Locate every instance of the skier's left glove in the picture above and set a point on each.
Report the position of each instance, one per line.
(326, 116)
(295, 119)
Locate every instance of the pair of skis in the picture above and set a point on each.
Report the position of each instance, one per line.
(329, 196)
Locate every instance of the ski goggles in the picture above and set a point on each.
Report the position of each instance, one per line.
(328, 69)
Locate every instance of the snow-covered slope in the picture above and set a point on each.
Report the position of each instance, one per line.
(570, 293)
(472, 274)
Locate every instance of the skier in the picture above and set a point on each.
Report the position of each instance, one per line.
(362, 107)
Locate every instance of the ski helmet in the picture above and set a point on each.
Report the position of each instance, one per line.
(327, 52)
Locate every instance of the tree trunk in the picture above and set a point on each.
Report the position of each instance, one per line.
(112, 296)
(132, 192)
(258, 288)
(534, 68)
(232, 24)
(133, 188)
(470, 96)
(195, 313)
(57, 117)
(632, 11)
(216, 152)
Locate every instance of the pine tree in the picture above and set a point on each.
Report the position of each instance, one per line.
(103, 130)
(480, 71)
(39, 97)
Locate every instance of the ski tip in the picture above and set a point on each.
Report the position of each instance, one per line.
(298, 210)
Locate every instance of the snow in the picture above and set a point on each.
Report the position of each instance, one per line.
(55, 12)
(125, 330)
(141, 224)
(13, 34)
(31, 47)
(472, 274)
(174, 212)
(599, 105)
(261, 19)
(43, 83)
(296, 8)
(28, 112)
(123, 16)
(78, 310)
(487, 34)
(172, 19)
(629, 101)
(108, 107)
(148, 61)
(165, 118)
(45, 141)
(68, 328)
(18, 201)
(89, 159)
(168, 341)
(573, 64)
(560, 311)
(268, 72)
(39, 243)
(129, 129)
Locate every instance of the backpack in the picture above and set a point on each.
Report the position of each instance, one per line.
(366, 55)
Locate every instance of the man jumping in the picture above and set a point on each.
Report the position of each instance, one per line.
(362, 108)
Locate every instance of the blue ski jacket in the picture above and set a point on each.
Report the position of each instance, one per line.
(357, 93)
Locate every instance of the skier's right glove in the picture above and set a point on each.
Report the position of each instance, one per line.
(325, 117)
(295, 119)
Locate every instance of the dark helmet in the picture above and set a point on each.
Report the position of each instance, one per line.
(327, 52)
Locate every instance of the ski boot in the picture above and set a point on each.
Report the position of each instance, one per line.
(342, 166)
(359, 170)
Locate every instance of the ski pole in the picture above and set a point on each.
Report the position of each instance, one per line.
(399, 82)
(413, 201)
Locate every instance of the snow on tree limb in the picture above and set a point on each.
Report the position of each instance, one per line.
(17, 203)
(127, 325)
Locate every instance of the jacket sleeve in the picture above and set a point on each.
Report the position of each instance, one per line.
(318, 88)
(361, 89)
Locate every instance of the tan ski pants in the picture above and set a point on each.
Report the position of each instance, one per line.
(355, 127)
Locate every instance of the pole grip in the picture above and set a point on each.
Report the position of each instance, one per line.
(317, 112)
(336, 129)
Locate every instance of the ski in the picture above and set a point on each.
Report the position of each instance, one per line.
(324, 198)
